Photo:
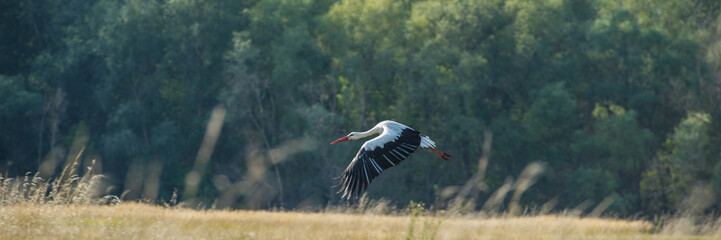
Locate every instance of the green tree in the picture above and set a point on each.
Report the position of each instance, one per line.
(682, 162)
(18, 104)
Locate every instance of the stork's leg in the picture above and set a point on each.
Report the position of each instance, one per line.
(442, 155)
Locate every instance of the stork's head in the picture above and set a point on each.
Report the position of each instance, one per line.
(351, 136)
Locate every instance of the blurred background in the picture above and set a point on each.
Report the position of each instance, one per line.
(232, 103)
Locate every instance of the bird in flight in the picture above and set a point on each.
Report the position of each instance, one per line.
(394, 144)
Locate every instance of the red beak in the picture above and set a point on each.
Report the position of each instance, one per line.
(343, 139)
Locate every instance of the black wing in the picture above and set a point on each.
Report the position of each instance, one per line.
(368, 164)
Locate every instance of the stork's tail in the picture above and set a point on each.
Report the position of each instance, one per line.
(426, 142)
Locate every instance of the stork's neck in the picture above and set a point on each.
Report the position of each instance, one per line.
(374, 130)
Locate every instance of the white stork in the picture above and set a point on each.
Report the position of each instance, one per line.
(394, 144)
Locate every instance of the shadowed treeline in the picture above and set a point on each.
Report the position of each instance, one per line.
(590, 105)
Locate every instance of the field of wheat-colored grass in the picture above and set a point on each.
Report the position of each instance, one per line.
(142, 221)
(67, 208)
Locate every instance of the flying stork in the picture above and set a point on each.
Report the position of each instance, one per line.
(394, 144)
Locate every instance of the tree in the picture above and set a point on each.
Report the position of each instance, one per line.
(683, 162)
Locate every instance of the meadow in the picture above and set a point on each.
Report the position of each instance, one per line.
(144, 221)
(69, 207)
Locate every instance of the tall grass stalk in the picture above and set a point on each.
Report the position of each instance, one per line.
(415, 210)
(68, 188)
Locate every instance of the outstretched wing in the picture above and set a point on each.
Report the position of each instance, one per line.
(378, 154)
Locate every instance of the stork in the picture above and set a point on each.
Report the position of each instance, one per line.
(394, 144)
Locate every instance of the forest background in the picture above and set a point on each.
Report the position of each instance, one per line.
(232, 103)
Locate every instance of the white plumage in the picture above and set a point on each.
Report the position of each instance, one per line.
(389, 131)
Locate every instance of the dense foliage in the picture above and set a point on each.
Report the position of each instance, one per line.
(616, 98)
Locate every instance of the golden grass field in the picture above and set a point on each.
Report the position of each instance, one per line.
(66, 208)
(143, 221)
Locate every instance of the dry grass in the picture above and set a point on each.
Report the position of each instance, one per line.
(68, 208)
(142, 221)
